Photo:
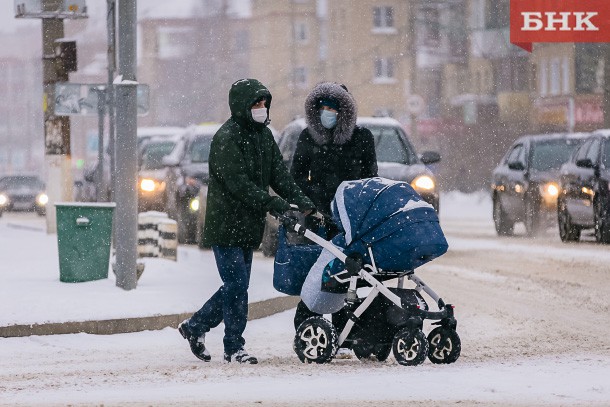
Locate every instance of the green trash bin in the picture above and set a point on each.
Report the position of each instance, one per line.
(84, 234)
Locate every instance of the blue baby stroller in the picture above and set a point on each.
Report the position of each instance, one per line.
(386, 231)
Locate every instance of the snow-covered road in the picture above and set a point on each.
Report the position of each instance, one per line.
(532, 314)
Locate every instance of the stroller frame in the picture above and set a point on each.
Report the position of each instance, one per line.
(410, 346)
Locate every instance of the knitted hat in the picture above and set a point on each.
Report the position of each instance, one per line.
(332, 103)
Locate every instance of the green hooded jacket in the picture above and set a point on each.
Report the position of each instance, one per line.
(244, 162)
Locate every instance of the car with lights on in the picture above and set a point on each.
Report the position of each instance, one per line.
(20, 193)
(525, 184)
(152, 173)
(396, 159)
(584, 190)
(187, 179)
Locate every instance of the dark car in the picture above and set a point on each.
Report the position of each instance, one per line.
(396, 159)
(86, 189)
(525, 184)
(153, 173)
(188, 176)
(23, 193)
(584, 198)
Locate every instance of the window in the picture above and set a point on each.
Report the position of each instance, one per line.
(593, 153)
(606, 154)
(555, 76)
(241, 40)
(516, 155)
(300, 76)
(200, 149)
(153, 153)
(430, 32)
(542, 78)
(582, 152)
(565, 80)
(301, 33)
(175, 42)
(390, 146)
(383, 17)
(498, 14)
(551, 154)
(384, 69)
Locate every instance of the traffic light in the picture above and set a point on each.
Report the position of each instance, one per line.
(65, 51)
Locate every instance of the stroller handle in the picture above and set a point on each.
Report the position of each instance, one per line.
(292, 223)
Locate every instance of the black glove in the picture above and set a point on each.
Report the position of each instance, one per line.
(277, 204)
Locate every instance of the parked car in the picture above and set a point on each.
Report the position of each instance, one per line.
(152, 174)
(23, 193)
(584, 197)
(396, 159)
(525, 184)
(187, 176)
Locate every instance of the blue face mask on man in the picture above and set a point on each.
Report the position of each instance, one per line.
(328, 118)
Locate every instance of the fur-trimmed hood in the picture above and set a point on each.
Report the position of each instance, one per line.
(346, 117)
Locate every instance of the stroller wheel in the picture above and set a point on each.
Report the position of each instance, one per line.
(410, 347)
(315, 340)
(445, 345)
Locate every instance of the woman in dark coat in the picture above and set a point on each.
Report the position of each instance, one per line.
(332, 149)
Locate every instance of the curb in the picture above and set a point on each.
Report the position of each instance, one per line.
(256, 310)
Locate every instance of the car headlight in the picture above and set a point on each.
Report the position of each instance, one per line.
(550, 190)
(151, 185)
(3, 199)
(42, 199)
(423, 182)
(194, 204)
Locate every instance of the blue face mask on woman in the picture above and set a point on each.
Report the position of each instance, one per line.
(328, 118)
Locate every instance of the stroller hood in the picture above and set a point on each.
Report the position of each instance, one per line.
(391, 217)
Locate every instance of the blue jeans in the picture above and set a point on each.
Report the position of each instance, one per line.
(230, 302)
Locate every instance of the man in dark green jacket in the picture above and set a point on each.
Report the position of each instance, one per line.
(244, 162)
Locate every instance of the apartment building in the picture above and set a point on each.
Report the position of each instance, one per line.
(567, 88)
(363, 44)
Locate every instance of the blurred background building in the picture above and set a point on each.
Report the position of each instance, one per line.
(479, 91)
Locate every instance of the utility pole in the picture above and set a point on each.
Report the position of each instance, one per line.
(58, 58)
(607, 86)
(100, 184)
(126, 219)
(111, 29)
(58, 160)
(413, 64)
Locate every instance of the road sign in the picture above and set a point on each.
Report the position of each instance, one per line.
(69, 9)
(79, 99)
(415, 104)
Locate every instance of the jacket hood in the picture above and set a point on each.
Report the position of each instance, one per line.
(243, 94)
(346, 117)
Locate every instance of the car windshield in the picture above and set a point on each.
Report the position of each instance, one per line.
(551, 154)
(21, 182)
(390, 146)
(152, 157)
(200, 149)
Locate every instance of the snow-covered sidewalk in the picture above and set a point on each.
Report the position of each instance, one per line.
(30, 290)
